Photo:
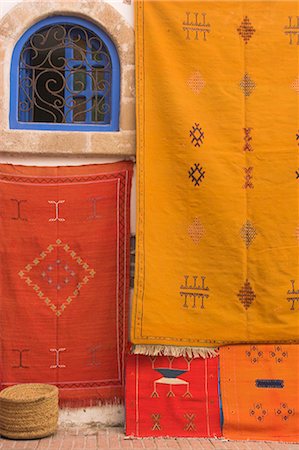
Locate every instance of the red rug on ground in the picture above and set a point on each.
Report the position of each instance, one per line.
(64, 278)
(168, 396)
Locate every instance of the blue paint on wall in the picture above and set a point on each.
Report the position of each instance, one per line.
(14, 121)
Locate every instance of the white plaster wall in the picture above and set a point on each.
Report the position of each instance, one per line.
(108, 415)
(111, 415)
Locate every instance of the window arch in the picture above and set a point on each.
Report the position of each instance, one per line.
(65, 75)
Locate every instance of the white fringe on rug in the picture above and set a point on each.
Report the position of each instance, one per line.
(171, 350)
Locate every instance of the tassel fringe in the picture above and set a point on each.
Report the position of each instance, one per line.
(163, 350)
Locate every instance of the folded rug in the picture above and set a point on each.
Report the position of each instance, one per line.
(168, 396)
(259, 389)
(217, 122)
(64, 243)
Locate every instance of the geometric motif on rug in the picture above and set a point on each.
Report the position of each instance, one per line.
(197, 135)
(246, 295)
(196, 174)
(193, 292)
(167, 396)
(196, 82)
(246, 30)
(284, 411)
(194, 26)
(171, 378)
(247, 138)
(196, 231)
(293, 295)
(248, 178)
(247, 85)
(248, 233)
(260, 400)
(292, 30)
(62, 269)
(258, 412)
(277, 353)
(295, 85)
(254, 354)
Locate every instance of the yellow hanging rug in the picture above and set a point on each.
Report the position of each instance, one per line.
(218, 175)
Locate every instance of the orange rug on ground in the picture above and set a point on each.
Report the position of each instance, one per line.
(167, 396)
(64, 243)
(260, 394)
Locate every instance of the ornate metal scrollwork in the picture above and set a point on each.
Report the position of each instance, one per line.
(65, 76)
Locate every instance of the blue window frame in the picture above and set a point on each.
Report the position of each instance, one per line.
(65, 75)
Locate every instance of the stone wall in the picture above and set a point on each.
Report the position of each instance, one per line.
(14, 23)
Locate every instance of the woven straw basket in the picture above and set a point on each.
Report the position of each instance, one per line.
(28, 411)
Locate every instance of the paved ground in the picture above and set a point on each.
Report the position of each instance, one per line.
(92, 438)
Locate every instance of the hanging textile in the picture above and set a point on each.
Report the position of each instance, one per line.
(217, 120)
(167, 396)
(259, 389)
(64, 278)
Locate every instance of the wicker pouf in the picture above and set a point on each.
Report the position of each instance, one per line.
(28, 411)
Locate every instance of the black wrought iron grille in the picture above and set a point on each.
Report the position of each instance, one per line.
(65, 76)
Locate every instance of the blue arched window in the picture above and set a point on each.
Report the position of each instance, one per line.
(65, 75)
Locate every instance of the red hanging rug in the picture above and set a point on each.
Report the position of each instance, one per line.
(64, 278)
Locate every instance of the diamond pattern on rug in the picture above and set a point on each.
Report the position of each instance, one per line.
(197, 174)
(196, 82)
(196, 231)
(295, 85)
(63, 278)
(60, 270)
(247, 85)
(284, 411)
(246, 295)
(246, 30)
(248, 233)
(258, 412)
(197, 135)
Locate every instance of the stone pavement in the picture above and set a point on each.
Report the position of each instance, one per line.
(94, 438)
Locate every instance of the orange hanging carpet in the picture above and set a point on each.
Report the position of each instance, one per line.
(64, 243)
(217, 174)
(168, 396)
(260, 395)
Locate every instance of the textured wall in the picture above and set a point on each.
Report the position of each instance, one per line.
(13, 24)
